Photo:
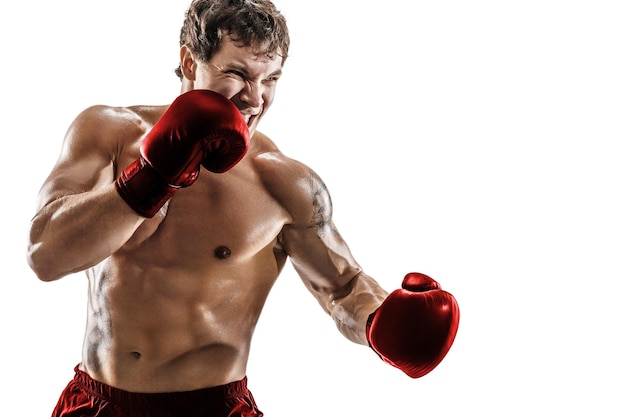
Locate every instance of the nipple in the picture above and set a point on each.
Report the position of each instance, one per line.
(222, 252)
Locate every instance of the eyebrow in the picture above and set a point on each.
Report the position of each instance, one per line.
(275, 73)
(244, 69)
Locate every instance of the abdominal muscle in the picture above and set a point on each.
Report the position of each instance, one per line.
(174, 328)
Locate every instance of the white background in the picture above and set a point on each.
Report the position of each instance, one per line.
(481, 142)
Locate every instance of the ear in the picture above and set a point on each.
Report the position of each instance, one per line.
(187, 63)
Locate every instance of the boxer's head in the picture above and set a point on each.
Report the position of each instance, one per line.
(252, 23)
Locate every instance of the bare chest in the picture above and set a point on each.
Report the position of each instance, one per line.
(220, 219)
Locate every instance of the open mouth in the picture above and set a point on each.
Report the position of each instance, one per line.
(249, 119)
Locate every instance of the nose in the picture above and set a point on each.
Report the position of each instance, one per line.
(252, 94)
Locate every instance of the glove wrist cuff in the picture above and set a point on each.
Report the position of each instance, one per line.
(368, 327)
(143, 189)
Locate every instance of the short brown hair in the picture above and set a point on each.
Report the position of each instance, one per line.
(253, 23)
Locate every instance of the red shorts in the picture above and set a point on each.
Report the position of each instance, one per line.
(85, 397)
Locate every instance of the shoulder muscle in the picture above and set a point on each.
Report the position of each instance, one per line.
(90, 150)
(297, 187)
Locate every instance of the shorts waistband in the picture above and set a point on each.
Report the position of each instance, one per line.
(182, 400)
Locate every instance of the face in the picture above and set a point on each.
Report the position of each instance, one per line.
(247, 79)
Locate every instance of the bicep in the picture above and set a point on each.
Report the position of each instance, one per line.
(321, 258)
(316, 249)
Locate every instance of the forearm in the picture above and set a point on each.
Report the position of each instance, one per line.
(75, 232)
(351, 311)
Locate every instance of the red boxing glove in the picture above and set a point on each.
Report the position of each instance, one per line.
(199, 127)
(413, 329)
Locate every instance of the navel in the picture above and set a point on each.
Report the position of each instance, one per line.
(222, 252)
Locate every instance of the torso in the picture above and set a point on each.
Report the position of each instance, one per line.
(176, 307)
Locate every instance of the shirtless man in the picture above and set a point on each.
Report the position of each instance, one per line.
(183, 217)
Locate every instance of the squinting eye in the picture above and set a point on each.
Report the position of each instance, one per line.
(235, 73)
